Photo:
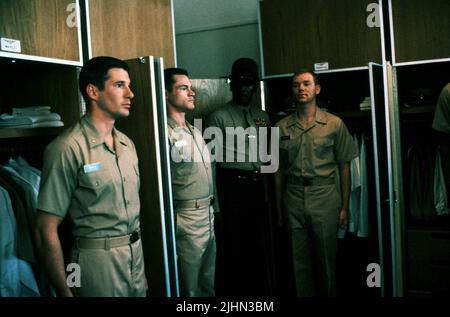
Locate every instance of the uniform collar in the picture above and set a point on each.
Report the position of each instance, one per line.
(173, 124)
(93, 136)
(320, 117)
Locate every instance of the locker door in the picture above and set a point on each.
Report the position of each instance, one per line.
(382, 131)
(146, 126)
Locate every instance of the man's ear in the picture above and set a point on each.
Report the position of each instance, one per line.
(318, 88)
(92, 91)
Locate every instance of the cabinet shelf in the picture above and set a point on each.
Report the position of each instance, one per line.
(28, 132)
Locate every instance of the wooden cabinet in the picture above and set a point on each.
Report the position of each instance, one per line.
(127, 29)
(299, 33)
(46, 30)
(421, 30)
(27, 83)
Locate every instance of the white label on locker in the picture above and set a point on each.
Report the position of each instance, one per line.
(10, 45)
(321, 66)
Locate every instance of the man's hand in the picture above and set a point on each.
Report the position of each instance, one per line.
(343, 218)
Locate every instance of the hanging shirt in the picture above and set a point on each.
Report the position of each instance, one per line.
(16, 275)
(354, 207)
(440, 191)
(28, 174)
(441, 121)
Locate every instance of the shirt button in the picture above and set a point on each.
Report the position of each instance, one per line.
(127, 202)
(124, 179)
(97, 184)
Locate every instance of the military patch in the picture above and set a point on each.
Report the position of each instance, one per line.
(261, 121)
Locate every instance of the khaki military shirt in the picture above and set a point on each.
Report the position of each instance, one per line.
(190, 163)
(243, 152)
(441, 120)
(317, 150)
(97, 186)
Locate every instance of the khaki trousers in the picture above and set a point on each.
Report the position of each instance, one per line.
(196, 250)
(109, 273)
(312, 214)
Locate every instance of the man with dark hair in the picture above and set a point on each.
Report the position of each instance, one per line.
(192, 188)
(244, 235)
(313, 146)
(91, 175)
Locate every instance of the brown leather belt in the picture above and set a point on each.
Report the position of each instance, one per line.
(107, 243)
(310, 181)
(194, 203)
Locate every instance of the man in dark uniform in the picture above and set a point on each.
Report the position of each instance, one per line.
(243, 247)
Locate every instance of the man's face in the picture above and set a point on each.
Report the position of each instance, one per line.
(181, 97)
(243, 91)
(304, 90)
(115, 98)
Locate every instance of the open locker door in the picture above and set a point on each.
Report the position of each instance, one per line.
(388, 234)
(146, 126)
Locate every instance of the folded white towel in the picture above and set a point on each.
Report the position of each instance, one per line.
(7, 120)
(31, 110)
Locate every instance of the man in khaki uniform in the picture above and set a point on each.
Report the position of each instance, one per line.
(441, 123)
(313, 145)
(91, 174)
(243, 235)
(192, 188)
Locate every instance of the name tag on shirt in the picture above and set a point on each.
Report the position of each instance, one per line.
(180, 143)
(285, 137)
(93, 167)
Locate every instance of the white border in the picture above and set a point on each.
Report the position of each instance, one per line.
(261, 44)
(40, 59)
(175, 59)
(88, 29)
(377, 181)
(159, 174)
(391, 29)
(338, 70)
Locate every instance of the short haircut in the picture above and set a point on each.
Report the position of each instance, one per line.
(169, 74)
(95, 72)
(306, 71)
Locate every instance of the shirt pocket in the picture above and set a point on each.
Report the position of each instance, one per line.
(289, 150)
(324, 148)
(92, 186)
